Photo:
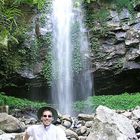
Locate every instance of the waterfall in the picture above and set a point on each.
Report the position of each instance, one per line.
(70, 66)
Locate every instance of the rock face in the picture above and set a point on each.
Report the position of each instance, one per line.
(104, 124)
(115, 63)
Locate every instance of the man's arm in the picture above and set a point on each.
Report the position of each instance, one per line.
(26, 136)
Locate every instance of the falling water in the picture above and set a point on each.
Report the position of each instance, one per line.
(62, 88)
(70, 48)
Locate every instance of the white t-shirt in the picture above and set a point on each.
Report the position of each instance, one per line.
(52, 132)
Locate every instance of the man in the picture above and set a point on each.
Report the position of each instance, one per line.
(47, 130)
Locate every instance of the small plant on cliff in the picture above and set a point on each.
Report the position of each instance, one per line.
(96, 22)
(38, 3)
(120, 4)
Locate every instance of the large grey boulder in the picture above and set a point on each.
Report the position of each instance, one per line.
(109, 125)
(10, 124)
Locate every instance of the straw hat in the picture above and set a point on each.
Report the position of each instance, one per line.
(42, 109)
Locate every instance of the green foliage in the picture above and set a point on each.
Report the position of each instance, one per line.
(121, 102)
(12, 34)
(13, 102)
(4, 38)
(9, 13)
(120, 4)
(89, 1)
(11, 55)
(75, 39)
(47, 67)
(8, 24)
(124, 101)
(46, 8)
(38, 3)
(10, 62)
(96, 22)
(101, 15)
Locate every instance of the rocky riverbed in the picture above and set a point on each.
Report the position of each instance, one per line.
(104, 124)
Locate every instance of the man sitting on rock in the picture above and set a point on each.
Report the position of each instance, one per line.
(47, 130)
